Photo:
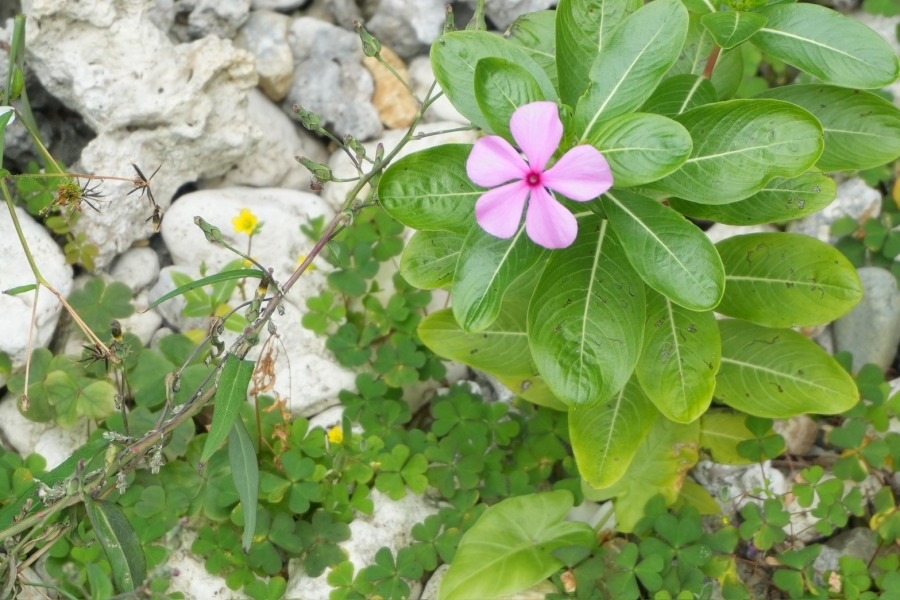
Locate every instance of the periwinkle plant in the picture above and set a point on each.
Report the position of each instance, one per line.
(617, 326)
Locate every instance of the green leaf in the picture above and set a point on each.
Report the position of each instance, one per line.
(628, 68)
(21, 289)
(827, 45)
(509, 548)
(671, 254)
(420, 196)
(732, 28)
(501, 87)
(720, 432)
(739, 145)
(454, 56)
(680, 94)
(642, 147)
(486, 267)
(245, 472)
(681, 356)
(97, 400)
(204, 281)
(583, 28)
(786, 280)
(120, 543)
(606, 435)
(862, 130)
(230, 396)
(586, 318)
(98, 304)
(781, 199)
(429, 259)
(536, 34)
(666, 454)
(778, 373)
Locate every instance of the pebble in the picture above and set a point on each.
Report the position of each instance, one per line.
(408, 26)
(396, 106)
(265, 35)
(137, 268)
(854, 199)
(871, 332)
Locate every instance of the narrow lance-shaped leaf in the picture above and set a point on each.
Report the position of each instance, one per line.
(782, 199)
(862, 130)
(429, 259)
(779, 373)
(218, 277)
(786, 280)
(681, 356)
(671, 254)
(586, 318)
(679, 94)
(732, 28)
(454, 56)
(509, 548)
(740, 145)
(245, 472)
(606, 435)
(627, 69)
(486, 267)
(501, 87)
(230, 396)
(582, 29)
(827, 45)
(120, 543)
(642, 147)
(421, 196)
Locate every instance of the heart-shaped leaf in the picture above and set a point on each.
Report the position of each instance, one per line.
(642, 147)
(779, 373)
(786, 280)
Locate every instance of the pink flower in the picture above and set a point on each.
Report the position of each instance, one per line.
(581, 174)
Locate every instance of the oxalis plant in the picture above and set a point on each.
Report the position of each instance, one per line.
(567, 237)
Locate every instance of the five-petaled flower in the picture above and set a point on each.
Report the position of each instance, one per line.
(336, 435)
(245, 222)
(580, 174)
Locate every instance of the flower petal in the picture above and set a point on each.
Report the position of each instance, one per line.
(493, 161)
(499, 211)
(537, 129)
(549, 223)
(581, 174)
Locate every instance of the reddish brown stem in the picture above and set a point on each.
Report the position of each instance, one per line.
(711, 63)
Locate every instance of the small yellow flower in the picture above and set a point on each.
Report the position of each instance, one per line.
(312, 265)
(245, 222)
(336, 435)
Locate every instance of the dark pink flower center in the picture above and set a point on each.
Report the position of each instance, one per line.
(533, 179)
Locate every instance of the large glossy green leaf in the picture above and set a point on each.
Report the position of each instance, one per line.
(429, 259)
(660, 466)
(421, 196)
(509, 548)
(629, 67)
(586, 318)
(501, 87)
(782, 199)
(231, 394)
(671, 254)
(245, 472)
(721, 431)
(486, 268)
(681, 356)
(739, 145)
(779, 373)
(582, 29)
(732, 28)
(679, 94)
(454, 56)
(786, 280)
(695, 54)
(827, 45)
(120, 543)
(862, 130)
(642, 147)
(536, 34)
(606, 435)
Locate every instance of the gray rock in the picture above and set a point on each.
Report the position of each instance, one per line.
(872, 330)
(720, 231)
(137, 268)
(15, 325)
(503, 12)
(196, 19)
(47, 439)
(330, 79)
(264, 35)
(152, 103)
(408, 26)
(859, 542)
(854, 199)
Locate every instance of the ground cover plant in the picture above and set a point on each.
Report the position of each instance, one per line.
(567, 237)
